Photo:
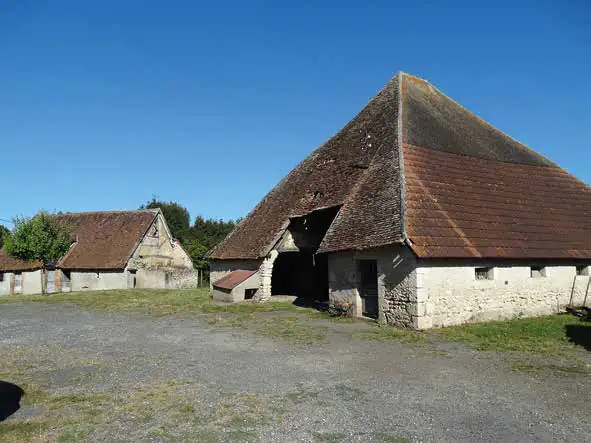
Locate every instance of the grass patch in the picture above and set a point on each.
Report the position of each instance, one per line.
(547, 335)
(166, 302)
(290, 329)
(386, 437)
(155, 302)
(385, 332)
(337, 319)
(329, 437)
(572, 370)
(25, 431)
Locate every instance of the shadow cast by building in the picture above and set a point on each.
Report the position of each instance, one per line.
(10, 397)
(579, 334)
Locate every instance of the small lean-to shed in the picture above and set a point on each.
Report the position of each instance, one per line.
(236, 286)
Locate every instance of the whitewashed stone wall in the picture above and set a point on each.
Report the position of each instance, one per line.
(31, 282)
(397, 283)
(5, 283)
(95, 281)
(422, 294)
(265, 276)
(448, 295)
(221, 268)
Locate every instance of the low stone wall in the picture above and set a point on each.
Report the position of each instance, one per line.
(96, 281)
(31, 282)
(166, 278)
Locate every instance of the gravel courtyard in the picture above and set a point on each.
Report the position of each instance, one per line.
(99, 376)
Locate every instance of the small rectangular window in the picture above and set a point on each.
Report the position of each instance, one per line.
(538, 271)
(484, 273)
(581, 270)
(1, 276)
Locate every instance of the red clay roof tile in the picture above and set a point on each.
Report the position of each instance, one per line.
(233, 279)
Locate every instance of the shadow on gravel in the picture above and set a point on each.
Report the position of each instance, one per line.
(10, 397)
(579, 335)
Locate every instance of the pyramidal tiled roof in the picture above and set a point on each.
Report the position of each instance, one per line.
(414, 166)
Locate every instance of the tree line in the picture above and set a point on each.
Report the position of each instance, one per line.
(197, 238)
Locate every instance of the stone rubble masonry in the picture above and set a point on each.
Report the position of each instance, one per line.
(449, 295)
(421, 294)
(265, 273)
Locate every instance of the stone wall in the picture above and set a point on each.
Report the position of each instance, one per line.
(450, 293)
(221, 268)
(397, 283)
(96, 281)
(31, 282)
(160, 262)
(422, 294)
(265, 276)
(5, 283)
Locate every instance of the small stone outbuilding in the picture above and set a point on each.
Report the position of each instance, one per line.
(111, 250)
(420, 214)
(236, 286)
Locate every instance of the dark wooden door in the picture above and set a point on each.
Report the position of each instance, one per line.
(368, 287)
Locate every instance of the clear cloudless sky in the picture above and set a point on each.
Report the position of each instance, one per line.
(104, 104)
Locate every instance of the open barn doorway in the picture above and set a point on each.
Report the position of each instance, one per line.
(298, 269)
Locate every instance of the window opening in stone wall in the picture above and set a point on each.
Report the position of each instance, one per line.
(538, 271)
(581, 270)
(1, 276)
(484, 273)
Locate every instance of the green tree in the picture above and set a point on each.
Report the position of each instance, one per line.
(41, 238)
(210, 232)
(177, 217)
(3, 233)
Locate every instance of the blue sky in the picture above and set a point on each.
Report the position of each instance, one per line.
(104, 104)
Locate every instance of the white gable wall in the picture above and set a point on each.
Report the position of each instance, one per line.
(159, 262)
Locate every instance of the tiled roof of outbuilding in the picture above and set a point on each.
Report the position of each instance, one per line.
(104, 240)
(233, 279)
(414, 164)
(9, 264)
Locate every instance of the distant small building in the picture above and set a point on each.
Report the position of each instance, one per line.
(112, 250)
(236, 286)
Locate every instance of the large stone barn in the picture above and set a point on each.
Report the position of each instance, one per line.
(110, 250)
(420, 214)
